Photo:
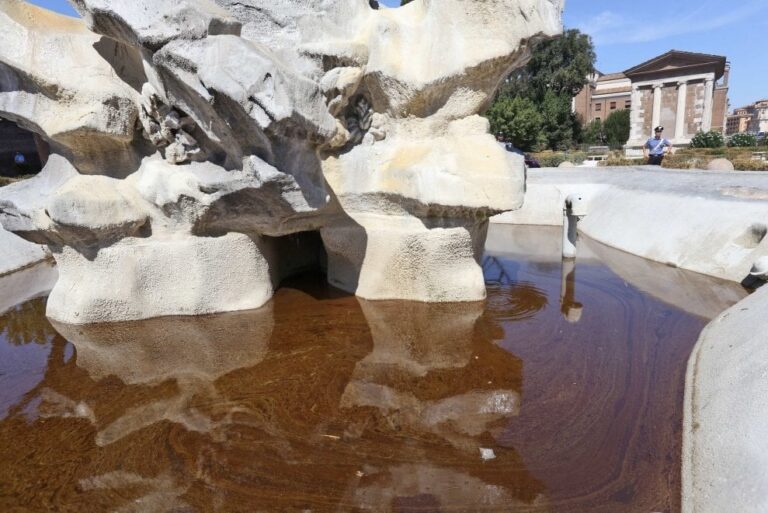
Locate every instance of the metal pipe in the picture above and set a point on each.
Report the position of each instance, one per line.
(573, 210)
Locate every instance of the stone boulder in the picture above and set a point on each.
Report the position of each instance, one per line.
(154, 23)
(720, 165)
(725, 464)
(55, 81)
(220, 128)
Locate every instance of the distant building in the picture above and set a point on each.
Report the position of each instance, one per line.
(604, 94)
(751, 119)
(684, 92)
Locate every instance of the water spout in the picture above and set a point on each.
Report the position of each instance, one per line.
(573, 210)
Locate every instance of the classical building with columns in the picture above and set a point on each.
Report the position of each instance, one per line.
(684, 92)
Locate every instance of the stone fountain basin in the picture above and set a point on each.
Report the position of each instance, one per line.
(712, 223)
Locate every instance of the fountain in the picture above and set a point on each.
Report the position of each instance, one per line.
(205, 153)
(196, 135)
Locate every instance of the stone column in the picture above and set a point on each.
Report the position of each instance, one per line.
(682, 92)
(709, 96)
(656, 105)
(635, 123)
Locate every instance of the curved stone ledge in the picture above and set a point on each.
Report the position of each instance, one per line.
(725, 457)
(702, 221)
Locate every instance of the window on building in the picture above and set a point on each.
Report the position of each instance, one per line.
(613, 105)
(628, 104)
(598, 107)
(597, 118)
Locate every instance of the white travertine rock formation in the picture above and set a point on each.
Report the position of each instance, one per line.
(205, 132)
(55, 80)
(725, 461)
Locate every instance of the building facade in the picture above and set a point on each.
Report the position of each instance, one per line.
(751, 119)
(603, 95)
(682, 91)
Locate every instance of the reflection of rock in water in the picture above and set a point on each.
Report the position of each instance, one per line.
(161, 494)
(426, 377)
(698, 294)
(192, 351)
(428, 488)
(420, 337)
(215, 414)
(182, 348)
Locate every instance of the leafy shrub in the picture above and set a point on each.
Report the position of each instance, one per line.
(555, 158)
(577, 157)
(731, 154)
(750, 165)
(742, 141)
(620, 162)
(711, 139)
(685, 162)
(518, 120)
(550, 158)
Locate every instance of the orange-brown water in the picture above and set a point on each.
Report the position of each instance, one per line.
(555, 395)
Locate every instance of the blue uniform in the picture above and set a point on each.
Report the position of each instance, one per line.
(656, 146)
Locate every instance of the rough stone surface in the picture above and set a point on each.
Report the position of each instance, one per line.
(217, 128)
(15, 252)
(154, 23)
(29, 283)
(55, 80)
(185, 276)
(725, 461)
(720, 165)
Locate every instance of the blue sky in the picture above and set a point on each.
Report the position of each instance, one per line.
(627, 33)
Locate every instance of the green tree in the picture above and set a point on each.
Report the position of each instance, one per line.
(557, 71)
(616, 128)
(518, 120)
(559, 122)
(559, 65)
(594, 133)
